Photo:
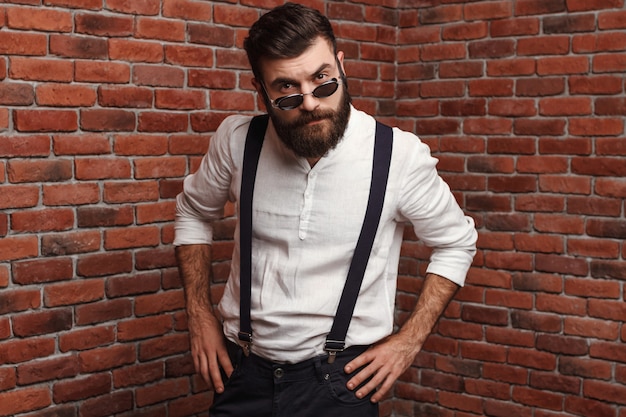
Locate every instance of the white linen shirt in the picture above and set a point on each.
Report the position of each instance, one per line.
(306, 222)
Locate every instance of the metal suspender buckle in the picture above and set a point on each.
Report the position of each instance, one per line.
(332, 347)
(246, 338)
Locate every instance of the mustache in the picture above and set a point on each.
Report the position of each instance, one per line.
(314, 116)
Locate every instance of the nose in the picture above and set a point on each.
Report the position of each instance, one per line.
(309, 102)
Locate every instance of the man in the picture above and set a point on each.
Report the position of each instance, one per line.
(311, 191)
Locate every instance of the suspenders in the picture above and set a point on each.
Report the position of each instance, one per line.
(335, 341)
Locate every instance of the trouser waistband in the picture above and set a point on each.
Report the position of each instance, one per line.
(287, 372)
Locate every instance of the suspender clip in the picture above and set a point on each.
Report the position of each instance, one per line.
(332, 347)
(246, 339)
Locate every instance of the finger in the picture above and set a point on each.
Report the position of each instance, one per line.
(371, 385)
(382, 390)
(216, 376)
(361, 360)
(362, 376)
(225, 362)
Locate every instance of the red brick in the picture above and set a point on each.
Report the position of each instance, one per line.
(99, 168)
(123, 96)
(586, 407)
(540, 87)
(612, 20)
(16, 94)
(163, 122)
(84, 144)
(596, 126)
(135, 51)
(140, 283)
(134, 237)
(582, 5)
(180, 99)
(588, 368)
(604, 391)
(162, 167)
(24, 146)
(163, 346)
(487, 126)
(158, 303)
(42, 270)
(105, 216)
(44, 322)
(39, 20)
(514, 27)
(144, 328)
(23, 400)
(87, 338)
(592, 288)
(603, 42)
(19, 300)
(45, 120)
(22, 43)
(103, 311)
(107, 120)
(565, 184)
(190, 56)
(78, 47)
(137, 375)
(187, 10)
(61, 95)
(81, 388)
(568, 146)
(192, 404)
(155, 258)
(107, 405)
(23, 350)
(21, 171)
(505, 373)
(19, 247)
(510, 337)
(605, 309)
(498, 48)
(157, 212)
(109, 357)
(74, 292)
(443, 52)
(129, 192)
(104, 264)
(609, 63)
(594, 206)
(600, 84)
(156, 28)
(537, 398)
(102, 25)
(169, 389)
(158, 76)
(608, 350)
(141, 144)
(60, 367)
(102, 71)
(145, 7)
(70, 194)
(595, 248)
(46, 220)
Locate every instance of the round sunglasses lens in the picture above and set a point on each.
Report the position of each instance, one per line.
(326, 90)
(289, 102)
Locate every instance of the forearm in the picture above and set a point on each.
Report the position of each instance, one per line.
(434, 298)
(194, 265)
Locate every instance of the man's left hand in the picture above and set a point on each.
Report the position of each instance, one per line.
(384, 362)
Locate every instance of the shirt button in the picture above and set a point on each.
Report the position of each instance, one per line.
(278, 373)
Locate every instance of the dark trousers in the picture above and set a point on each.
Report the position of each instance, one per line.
(313, 388)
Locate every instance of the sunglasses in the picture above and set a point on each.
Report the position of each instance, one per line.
(293, 101)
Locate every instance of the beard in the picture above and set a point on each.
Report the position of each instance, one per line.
(316, 140)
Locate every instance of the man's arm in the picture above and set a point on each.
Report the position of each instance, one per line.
(205, 330)
(388, 359)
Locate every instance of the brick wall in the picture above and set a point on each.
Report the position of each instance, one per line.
(106, 105)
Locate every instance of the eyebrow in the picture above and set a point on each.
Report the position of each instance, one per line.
(287, 80)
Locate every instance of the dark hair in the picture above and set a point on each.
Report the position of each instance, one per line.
(286, 32)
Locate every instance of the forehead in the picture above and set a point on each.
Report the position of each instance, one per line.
(319, 54)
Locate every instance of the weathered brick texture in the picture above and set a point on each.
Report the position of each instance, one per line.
(106, 106)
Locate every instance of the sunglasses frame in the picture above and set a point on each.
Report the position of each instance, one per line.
(276, 103)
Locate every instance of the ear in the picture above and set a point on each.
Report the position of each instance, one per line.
(257, 86)
(340, 56)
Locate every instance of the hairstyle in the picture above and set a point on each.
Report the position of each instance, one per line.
(286, 32)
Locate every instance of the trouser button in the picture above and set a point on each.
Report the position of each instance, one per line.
(278, 373)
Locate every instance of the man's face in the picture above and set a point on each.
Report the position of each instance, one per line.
(317, 125)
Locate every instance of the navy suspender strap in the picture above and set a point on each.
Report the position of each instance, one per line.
(251, 153)
(335, 341)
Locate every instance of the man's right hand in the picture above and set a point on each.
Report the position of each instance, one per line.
(208, 349)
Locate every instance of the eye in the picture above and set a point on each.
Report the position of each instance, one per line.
(287, 87)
